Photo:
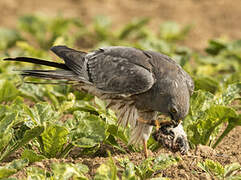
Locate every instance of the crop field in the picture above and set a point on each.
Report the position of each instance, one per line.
(50, 130)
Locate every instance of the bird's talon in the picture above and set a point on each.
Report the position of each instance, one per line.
(157, 124)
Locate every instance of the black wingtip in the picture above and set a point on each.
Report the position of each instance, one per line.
(58, 47)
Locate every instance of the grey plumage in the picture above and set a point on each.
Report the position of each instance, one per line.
(135, 83)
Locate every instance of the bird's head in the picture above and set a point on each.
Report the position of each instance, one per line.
(178, 105)
(169, 101)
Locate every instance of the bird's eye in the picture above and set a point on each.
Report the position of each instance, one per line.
(173, 110)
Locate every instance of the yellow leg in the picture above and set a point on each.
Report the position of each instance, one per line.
(141, 120)
(164, 122)
(157, 124)
(145, 148)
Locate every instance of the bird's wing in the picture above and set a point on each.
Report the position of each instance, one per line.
(189, 82)
(190, 85)
(73, 59)
(120, 70)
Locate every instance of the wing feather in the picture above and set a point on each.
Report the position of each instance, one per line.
(120, 70)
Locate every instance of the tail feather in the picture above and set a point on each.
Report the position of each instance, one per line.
(38, 61)
(73, 68)
(52, 74)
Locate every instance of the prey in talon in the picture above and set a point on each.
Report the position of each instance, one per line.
(173, 138)
(169, 135)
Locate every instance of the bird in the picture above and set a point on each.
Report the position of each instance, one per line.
(137, 84)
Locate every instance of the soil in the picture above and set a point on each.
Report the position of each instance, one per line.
(227, 152)
(211, 19)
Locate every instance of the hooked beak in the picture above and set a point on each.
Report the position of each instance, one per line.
(176, 122)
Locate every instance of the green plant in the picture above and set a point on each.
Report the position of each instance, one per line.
(215, 169)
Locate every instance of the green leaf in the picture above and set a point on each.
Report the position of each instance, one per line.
(200, 101)
(7, 122)
(112, 141)
(54, 138)
(233, 121)
(206, 83)
(107, 171)
(236, 177)
(215, 116)
(150, 165)
(32, 91)
(30, 50)
(172, 31)
(231, 93)
(68, 104)
(3, 110)
(7, 91)
(101, 27)
(101, 104)
(36, 173)
(212, 168)
(88, 130)
(145, 170)
(67, 171)
(35, 26)
(164, 161)
(5, 139)
(118, 132)
(6, 132)
(84, 106)
(129, 171)
(28, 136)
(231, 168)
(133, 27)
(215, 46)
(18, 164)
(6, 172)
(8, 38)
(43, 113)
(10, 178)
(204, 122)
(12, 168)
(32, 156)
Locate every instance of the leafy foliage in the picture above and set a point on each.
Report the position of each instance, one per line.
(209, 112)
(215, 169)
(49, 121)
(12, 168)
(63, 171)
(150, 167)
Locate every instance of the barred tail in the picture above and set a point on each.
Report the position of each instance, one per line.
(52, 74)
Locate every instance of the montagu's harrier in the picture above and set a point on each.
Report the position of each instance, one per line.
(137, 84)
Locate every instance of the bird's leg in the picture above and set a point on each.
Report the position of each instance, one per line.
(145, 148)
(155, 122)
(141, 120)
(147, 124)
